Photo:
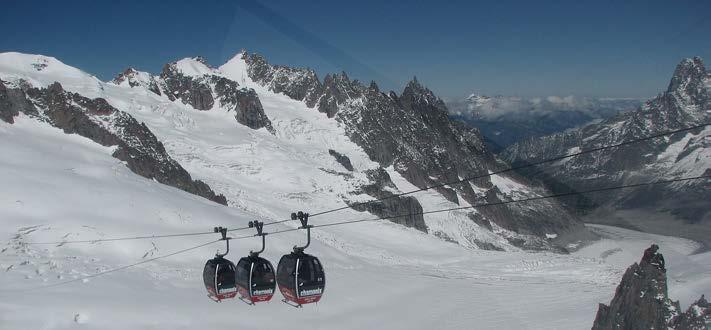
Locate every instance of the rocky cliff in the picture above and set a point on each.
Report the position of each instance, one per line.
(641, 301)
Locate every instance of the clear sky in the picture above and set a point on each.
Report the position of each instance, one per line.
(526, 48)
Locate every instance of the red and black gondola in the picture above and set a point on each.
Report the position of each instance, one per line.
(219, 274)
(219, 278)
(300, 276)
(255, 275)
(255, 279)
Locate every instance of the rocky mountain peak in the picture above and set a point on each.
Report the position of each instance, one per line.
(190, 66)
(475, 97)
(641, 300)
(373, 86)
(685, 104)
(55, 88)
(201, 59)
(126, 73)
(416, 93)
(689, 73)
(414, 85)
(133, 78)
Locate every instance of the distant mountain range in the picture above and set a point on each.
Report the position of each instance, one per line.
(504, 120)
(681, 208)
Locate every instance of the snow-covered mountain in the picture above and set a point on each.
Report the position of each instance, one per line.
(81, 186)
(685, 103)
(504, 120)
(362, 144)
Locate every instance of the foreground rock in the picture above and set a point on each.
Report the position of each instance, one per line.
(641, 301)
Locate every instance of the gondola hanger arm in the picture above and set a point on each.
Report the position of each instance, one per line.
(259, 226)
(223, 232)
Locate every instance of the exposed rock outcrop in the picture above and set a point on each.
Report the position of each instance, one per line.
(641, 301)
(135, 78)
(95, 119)
(696, 317)
(243, 101)
(187, 89)
(391, 208)
(341, 159)
(11, 103)
(297, 83)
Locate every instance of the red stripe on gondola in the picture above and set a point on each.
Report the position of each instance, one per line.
(308, 300)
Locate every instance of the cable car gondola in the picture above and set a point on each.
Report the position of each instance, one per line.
(300, 276)
(255, 275)
(219, 273)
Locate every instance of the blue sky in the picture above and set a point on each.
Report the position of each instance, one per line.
(526, 48)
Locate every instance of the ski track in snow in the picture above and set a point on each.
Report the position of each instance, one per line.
(380, 275)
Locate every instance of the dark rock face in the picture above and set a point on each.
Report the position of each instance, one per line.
(8, 104)
(341, 159)
(190, 91)
(202, 92)
(299, 84)
(697, 317)
(413, 133)
(391, 208)
(641, 300)
(134, 79)
(685, 103)
(244, 102)
(336, 90)
(95, 119)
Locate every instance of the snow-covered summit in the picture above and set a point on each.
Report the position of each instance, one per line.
(236, 69)
(192, 66)
(42, 71)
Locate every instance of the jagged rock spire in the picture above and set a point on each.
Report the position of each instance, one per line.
(374, 86)
(641, 300)
(689, 71)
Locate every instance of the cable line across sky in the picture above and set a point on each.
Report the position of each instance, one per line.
(510, 169)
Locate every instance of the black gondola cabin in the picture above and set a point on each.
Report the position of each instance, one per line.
(301, 278)
(219, 278)
(255, 279)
